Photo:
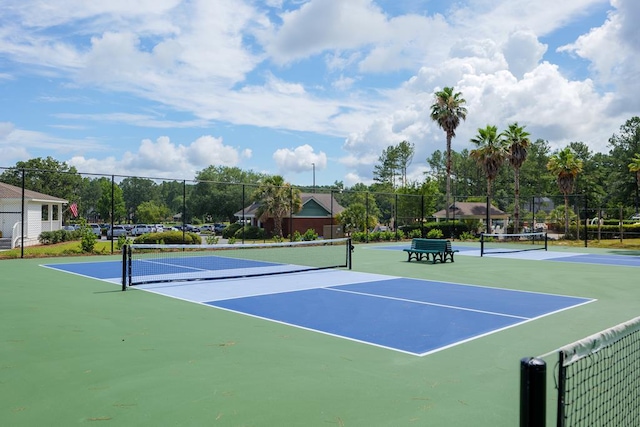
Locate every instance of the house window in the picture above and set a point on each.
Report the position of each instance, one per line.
(55, 212)
(45, 212)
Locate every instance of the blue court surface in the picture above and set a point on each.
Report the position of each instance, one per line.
(413, 316)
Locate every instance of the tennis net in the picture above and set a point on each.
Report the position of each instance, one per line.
(154, 263)
(599, 379)
(505, 243)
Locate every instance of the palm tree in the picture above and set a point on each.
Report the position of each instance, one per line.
(634, 166)
(518, 140)
(447, 111)
(277, 199)
(490, 155)
(566, 167)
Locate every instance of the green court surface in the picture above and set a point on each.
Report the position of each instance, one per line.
(78, 351)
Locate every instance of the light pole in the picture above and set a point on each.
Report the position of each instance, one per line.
(314, 176)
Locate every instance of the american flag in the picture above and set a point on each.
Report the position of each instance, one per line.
(74, 209)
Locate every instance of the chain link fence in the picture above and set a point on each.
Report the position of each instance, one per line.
(42, 207)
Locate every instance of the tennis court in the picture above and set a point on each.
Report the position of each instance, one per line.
(420, 316)
(386, 343)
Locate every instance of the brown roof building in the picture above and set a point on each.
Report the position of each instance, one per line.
(318, 213)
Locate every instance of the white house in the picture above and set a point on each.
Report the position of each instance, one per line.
(42, 213)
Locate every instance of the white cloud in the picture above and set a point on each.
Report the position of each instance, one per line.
(208, 150)
(164, 158)
(351, 179)
(612, 50)
(343, 83)
(19, 144)
(213, 60)
(523, 52)
(575, 112)
(325, 25)
(300, 159)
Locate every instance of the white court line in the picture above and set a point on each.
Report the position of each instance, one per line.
(217, 290)
(455, 307)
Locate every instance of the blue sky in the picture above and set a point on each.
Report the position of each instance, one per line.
(166, 88)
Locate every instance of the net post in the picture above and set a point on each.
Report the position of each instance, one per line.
(481, 244)
(124, 267)
(533, 388)
(546, 241)
(349, 253)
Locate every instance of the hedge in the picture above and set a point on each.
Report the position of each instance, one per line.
(59, 236)
(449, 228)
(170, 238)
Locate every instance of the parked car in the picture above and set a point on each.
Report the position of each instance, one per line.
(140, 229)
(191, 228)
(208, 228)
(95, 228)
(158, 228)
(219, 228)
(69, 228)
(117, 231)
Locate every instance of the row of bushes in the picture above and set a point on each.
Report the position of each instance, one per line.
(170, 238)
(59, 236)
(449, 229)
(616, 222)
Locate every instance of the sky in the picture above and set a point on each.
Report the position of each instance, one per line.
(313, 90)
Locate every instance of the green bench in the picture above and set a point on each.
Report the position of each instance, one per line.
(434, 248)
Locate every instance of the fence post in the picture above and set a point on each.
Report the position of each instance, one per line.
(586, 221)
(533, 390)
(621, 225)
(422, 215)
(395, 218)
(366, 216)
(331, 220)
(113, 208)
(291, 212)
(488, 228)
(22, 218)
(124, 264)
(599, 224)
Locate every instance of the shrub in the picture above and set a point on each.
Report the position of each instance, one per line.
(310, 234)
(249, 232)
(415, 234)
(375, 236)
(230, 231)
(123, 240)
(449, 228)
(359, 236)
(87, 237)
(467, 236)
(170, 238)
(434, 233)
(58, 236)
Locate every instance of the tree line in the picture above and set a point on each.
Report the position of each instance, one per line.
(504, 166)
